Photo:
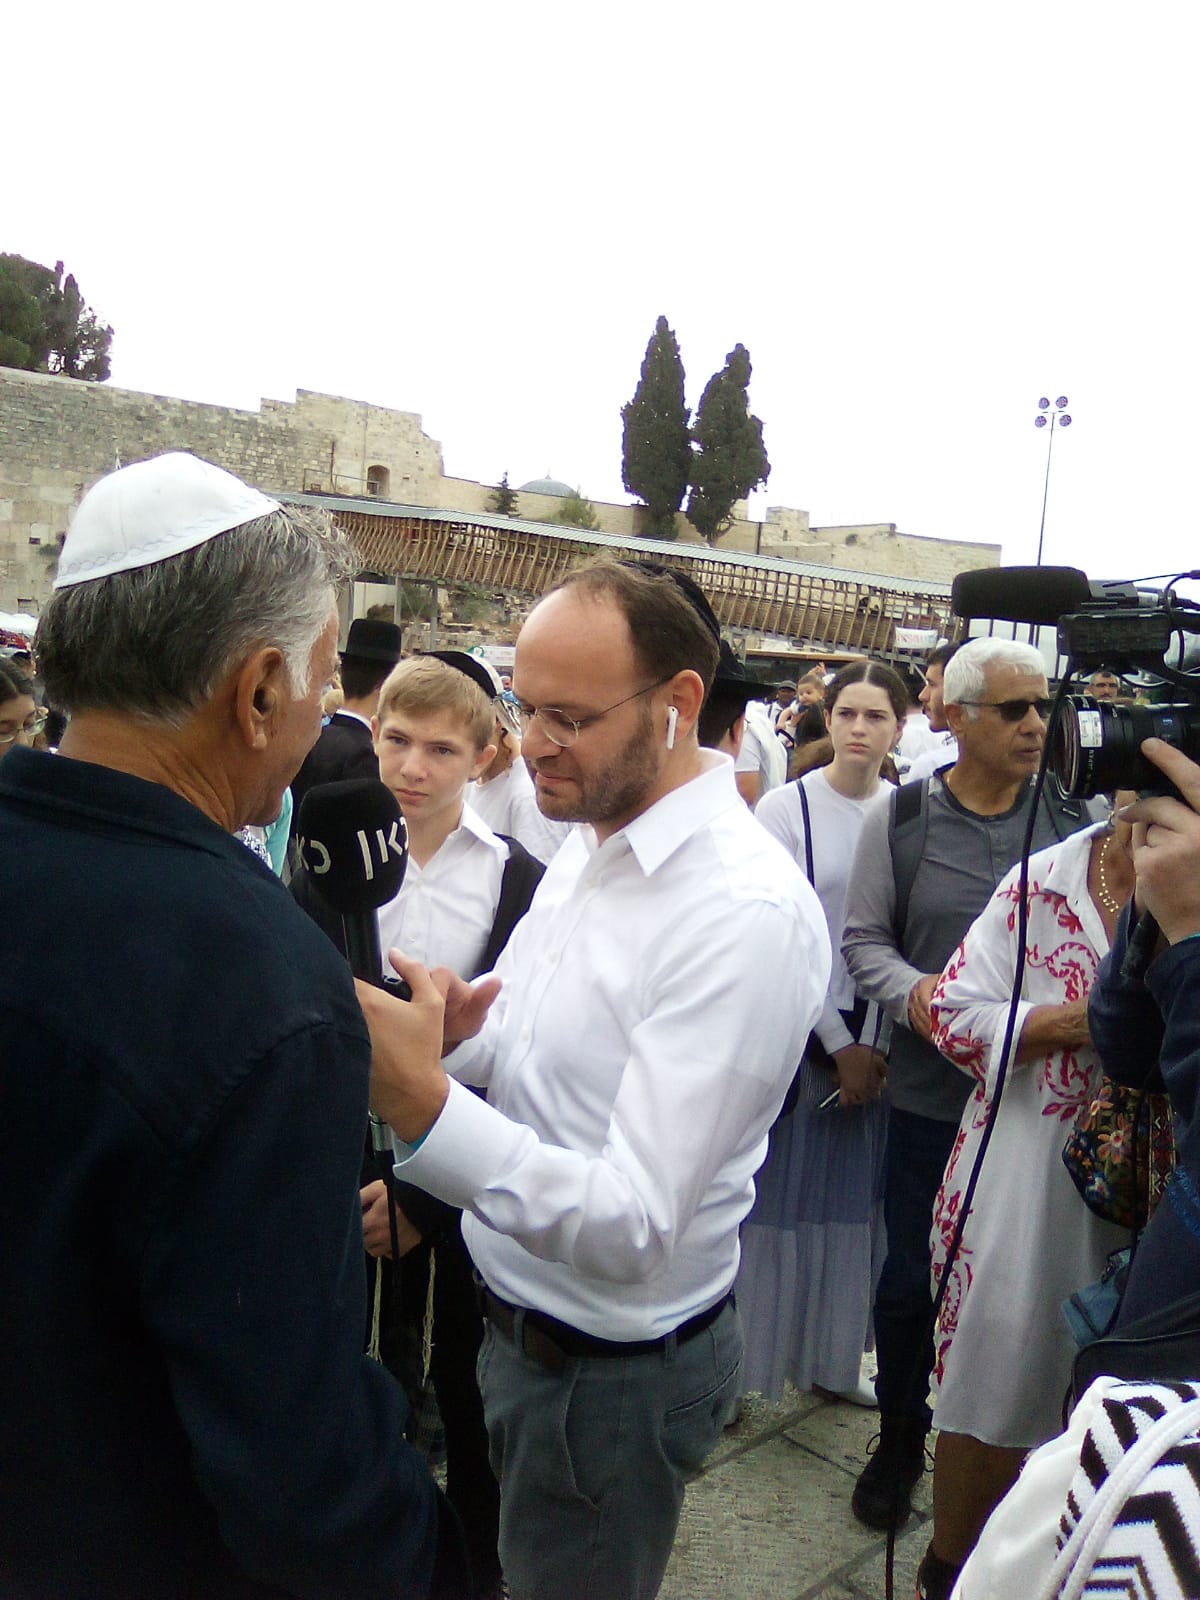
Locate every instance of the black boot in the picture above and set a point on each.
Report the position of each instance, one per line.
(883, 1494)
(936, 1578)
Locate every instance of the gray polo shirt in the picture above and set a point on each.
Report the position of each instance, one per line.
(964, 858)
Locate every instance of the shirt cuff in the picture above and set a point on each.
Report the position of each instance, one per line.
(469, 1144)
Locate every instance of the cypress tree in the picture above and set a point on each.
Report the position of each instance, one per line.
(503, 499)
(729, 459)
(656, 451)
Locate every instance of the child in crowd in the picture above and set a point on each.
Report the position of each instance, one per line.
(464, 890)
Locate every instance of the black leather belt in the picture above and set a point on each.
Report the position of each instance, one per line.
(552, 1343)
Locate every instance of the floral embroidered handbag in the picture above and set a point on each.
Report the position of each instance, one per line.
(1120, 1176)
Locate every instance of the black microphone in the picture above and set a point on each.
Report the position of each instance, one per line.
(354, 844)
(355, 847)
(1020, 594)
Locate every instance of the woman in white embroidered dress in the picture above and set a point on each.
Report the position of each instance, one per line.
(1003, 1351)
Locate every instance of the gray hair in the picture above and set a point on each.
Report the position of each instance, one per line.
(155, 642)
(965, 677)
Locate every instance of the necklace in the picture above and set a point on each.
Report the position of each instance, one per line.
(1107, 899)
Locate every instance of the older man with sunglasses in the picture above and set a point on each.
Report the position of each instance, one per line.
(927, 863)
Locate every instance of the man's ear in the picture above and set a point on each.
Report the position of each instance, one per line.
(687, 696)
(955, 716)
(258, 687)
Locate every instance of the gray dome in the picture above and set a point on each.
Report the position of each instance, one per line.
(550, 486)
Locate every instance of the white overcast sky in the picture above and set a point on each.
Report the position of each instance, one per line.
(918, 217)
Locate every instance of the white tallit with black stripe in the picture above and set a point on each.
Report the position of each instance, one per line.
(1110, 1510)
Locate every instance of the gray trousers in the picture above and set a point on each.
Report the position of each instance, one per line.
(592, 1461)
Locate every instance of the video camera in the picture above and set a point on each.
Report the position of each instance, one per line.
(1095, 746)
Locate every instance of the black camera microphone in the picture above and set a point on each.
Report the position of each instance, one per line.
(1019, 594)
(355, 847)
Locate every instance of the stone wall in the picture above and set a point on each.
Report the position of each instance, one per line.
(57, 436)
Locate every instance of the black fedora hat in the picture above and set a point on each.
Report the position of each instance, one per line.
(731, 682)
(372, 640)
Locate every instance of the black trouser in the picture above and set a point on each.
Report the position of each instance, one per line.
(917, 1152)
(471, 1486)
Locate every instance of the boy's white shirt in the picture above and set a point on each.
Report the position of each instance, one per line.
(444, 912)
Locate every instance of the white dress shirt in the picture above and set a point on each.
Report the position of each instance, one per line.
(508, 804)
(761, 749)
(942, 754)
(444, 912)
(656, 999)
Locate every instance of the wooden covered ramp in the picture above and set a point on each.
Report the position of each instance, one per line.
(827, 608)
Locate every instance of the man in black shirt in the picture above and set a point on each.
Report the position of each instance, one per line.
(187, 1411)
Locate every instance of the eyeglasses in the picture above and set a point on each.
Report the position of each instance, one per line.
(563, 730)
(1014, 710)
(32, 728)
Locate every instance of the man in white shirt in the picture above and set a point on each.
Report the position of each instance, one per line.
(943, 751)
(761, 762)
(631, 1087)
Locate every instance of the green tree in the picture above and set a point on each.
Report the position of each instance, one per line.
(23, 341)
(656, 450)
(575, 511)
(729, 457)
(45, 325)
(503, 499)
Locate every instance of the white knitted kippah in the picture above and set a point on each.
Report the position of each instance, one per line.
(151, 510)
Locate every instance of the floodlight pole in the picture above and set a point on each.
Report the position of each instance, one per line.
(1056, 414)
(1046, 489)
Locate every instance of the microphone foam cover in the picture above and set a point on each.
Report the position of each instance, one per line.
(1019, 594)
(354, 844)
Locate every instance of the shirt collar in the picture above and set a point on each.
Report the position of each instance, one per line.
(344, 711)
(474, 824)
(471, 830)
(656, 834)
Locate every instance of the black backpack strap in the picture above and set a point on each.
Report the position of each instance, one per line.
(808, 849)
(908, 822)
(522, 874)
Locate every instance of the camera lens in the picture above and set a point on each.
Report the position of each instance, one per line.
(1097, 746)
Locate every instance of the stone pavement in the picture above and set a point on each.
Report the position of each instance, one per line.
(768, 1517)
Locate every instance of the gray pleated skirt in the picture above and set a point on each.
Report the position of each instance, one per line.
(813, 1244)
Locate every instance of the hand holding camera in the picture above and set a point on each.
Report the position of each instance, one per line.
(1166, 845)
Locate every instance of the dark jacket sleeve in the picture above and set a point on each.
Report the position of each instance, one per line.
(1174, 980)
(253, 1281)
(1126, 1023)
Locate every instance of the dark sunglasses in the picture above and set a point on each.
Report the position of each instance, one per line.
(1014, 710)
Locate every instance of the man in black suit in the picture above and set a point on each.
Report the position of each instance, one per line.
(345, 748)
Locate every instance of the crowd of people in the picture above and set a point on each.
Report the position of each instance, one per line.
(707, 1019)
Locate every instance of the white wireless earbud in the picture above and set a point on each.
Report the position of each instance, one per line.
(672, 724)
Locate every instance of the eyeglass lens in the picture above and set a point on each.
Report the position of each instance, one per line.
(556, 725)
(1015, 710)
